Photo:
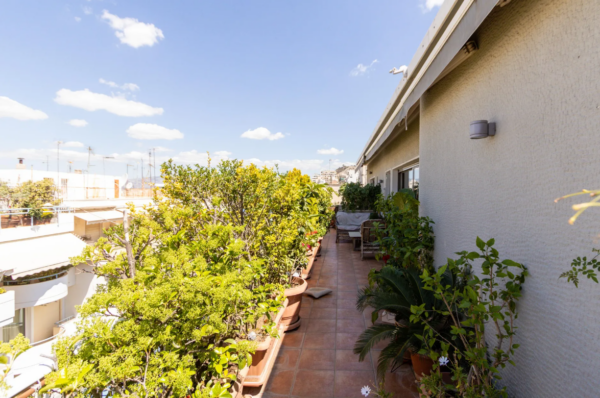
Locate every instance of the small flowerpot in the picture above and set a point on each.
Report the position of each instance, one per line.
(238, 384)
(264, 356)
(291, 319)
(263, 360)
(422, 365)
(306, 271)
(447, 377)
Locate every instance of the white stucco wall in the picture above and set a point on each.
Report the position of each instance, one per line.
(398, 153)
(537, 74)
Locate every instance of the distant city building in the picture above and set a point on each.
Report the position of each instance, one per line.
(346, 174)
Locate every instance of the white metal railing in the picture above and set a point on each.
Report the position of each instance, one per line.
(27, 212)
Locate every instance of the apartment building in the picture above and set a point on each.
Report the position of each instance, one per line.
(43, 287)
(522, 76)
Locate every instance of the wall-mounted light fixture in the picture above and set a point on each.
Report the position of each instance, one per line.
(482, 129)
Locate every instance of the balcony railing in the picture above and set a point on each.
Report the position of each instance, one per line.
(36, 279)
(22, 217)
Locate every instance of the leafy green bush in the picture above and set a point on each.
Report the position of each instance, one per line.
(488, 302)
(357, 197)
(406, 239)
(397, 291)
(190, 282)
(31, 195)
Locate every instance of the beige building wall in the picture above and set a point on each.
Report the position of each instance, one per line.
(402, 151)
(44, 317)
(537, 74)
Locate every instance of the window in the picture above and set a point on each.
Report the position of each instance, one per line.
(11, 330)
(409, 179)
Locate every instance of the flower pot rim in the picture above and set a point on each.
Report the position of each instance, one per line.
(296, 290)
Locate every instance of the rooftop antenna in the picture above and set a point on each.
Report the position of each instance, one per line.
(142, 164)
(58, 168)
(47, 162)
(154, 160)
(150, 166)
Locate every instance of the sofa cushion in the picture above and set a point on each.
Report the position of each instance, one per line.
(352, 219)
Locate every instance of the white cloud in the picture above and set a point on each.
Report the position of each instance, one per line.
(262, 133)
(85, 99)
(77, 122)
(132, 32)
(331, 151)
(87, 10)
(77, 19)
(13, 109)
(362, 69)
(126, 86)
(72, 144)
(147, 131)
(162, 149)
(428, 5)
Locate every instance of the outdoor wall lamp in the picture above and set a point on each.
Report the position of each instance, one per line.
(482, 129)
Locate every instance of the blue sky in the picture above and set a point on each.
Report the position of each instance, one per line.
(267, 81)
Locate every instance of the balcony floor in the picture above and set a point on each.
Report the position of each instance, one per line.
(316, 360)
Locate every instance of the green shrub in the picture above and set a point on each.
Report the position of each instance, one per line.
(406, 239)
(189, 281)
(396, 291)
(489, 301)
(357, 197)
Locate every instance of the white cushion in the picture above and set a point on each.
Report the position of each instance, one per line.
(317, 292)
(352, 219)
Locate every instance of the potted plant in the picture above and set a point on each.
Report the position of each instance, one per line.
(268, 336)
(291, 318)
(396, 291)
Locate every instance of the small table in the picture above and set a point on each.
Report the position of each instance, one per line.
(355, 239)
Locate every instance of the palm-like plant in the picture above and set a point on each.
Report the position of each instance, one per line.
(395, 290)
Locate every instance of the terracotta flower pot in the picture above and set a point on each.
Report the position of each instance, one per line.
(291, 319)
(308, 269)
(237, 385)
(264, 356)
(422, 365)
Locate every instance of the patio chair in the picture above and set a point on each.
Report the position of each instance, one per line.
(346, 222)
(368, 237)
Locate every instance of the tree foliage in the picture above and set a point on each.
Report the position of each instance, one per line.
(187, 280)
(406, 238)
(357, 197)
(488, 304)
(33, 195)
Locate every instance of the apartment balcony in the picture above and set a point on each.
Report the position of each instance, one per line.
(40, 289)
(7, 308)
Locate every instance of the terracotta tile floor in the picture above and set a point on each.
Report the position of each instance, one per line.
(316, 360)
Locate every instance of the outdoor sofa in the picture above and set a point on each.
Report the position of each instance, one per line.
(349, 221)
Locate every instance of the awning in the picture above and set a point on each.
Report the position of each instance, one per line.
(30, 256)
(100, 216)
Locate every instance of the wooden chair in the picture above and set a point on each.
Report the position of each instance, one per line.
(368, 237)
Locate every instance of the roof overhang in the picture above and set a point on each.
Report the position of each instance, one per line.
(100, 217)
(30, 256)
(444, 47)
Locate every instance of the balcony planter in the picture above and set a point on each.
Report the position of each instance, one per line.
(306, 271)
(264, 356)
(422, 365)
(238, 385)
(291, 320)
